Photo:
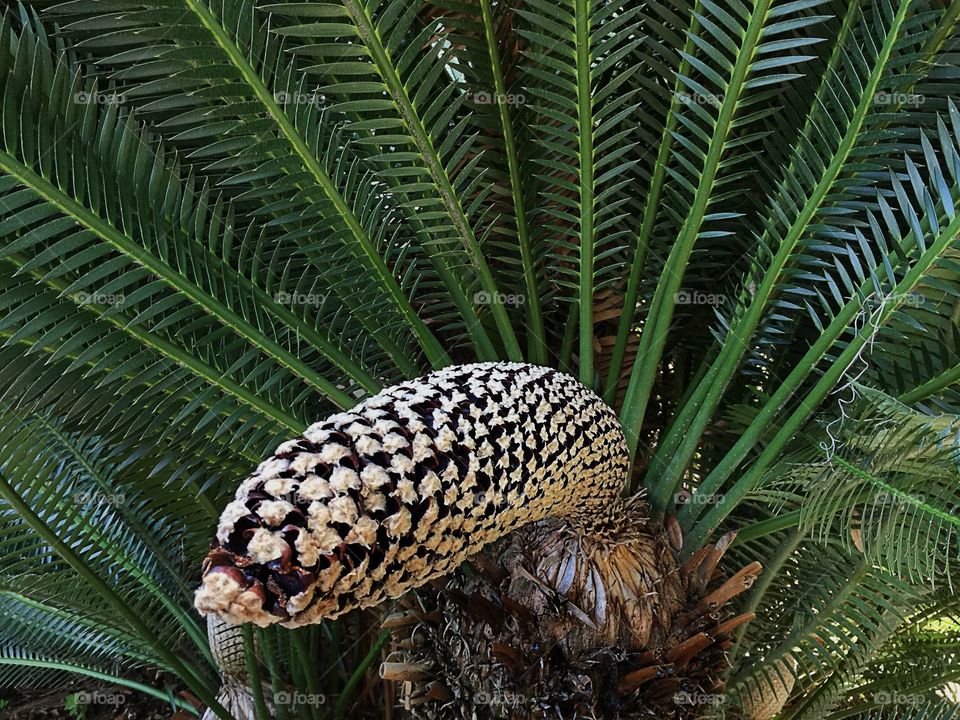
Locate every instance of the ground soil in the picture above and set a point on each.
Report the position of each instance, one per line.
(83, 700)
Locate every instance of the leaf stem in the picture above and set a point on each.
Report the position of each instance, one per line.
(584, 57)
(358, 674)
(537, 339)
(253, 673)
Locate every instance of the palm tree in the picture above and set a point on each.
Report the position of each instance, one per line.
(637, 298)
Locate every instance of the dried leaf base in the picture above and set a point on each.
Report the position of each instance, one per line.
(573, 621)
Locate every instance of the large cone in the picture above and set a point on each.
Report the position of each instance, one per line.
(378, 500)
(588, 613)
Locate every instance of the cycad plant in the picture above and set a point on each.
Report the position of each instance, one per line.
(603, 353)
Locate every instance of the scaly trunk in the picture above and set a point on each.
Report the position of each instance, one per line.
(226, 645)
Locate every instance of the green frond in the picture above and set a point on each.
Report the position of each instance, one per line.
(70, 557)
(904, 240)
(75, 492)
(888, 487)
(741, 55)
(826, 617)
(223, 220)
(807, 198)
(400, 99)
(277, 130)
(580, 59)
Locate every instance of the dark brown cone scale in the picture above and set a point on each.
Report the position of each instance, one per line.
(594, 619)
